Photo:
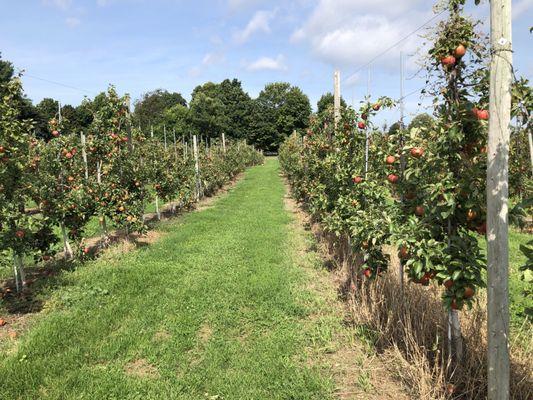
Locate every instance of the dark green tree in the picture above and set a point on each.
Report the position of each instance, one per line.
(327, 101)
(150, 108)
(279, 110)
(206, 115)
(421, 120)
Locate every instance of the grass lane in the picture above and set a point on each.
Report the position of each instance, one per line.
(215, 307)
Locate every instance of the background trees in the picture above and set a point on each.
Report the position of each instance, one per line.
(150, 108)
(327, 101)
(278, 111)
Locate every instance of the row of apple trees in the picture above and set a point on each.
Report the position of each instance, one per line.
(422, 190)
(49, 191)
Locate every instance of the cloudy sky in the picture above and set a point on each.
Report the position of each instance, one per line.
(141, 45)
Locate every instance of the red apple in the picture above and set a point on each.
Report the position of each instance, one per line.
(357, 179)
(454, 305)
(448, 61)
(86, 250)
(55, 133)
(448, 283)
(420, 211)
(417, 152)
(460, 51)
(367, 272)
(2, 322)
(483, 115)
(376, 107)
(468, 293)
(390, 159)
(364, 116)
(403, 253)
(482, 229)
(361, 125)
(69, 155)
(393, 178)
(19, 233)
(2, 149)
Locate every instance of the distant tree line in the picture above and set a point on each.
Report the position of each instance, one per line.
(215, 108)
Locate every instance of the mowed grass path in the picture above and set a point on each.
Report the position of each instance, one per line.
(215, 307)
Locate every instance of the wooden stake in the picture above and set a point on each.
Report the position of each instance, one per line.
(196, 167)
(66, 244)
(497, 200)
(402, 160)
(84, 154)
(337, 97)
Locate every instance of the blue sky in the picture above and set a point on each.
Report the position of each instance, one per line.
(141, 45)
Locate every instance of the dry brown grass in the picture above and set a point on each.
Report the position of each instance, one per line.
(411, 331)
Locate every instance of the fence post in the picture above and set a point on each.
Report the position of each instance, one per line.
(196, 167)
(156, 196)
(402, 159)
(337, 97)
(84, 154)
(501, 70)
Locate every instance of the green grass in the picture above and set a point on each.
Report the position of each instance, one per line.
(216, 307)
(520, 305)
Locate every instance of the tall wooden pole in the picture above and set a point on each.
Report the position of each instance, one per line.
(337, 97)
(497, 199)
(402, 157)
(196, 167)
(84, 154)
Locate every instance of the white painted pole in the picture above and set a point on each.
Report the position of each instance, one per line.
(337, 97)
(402, 159)
(223, 142)
(497, 200)
(196, 166)
(402, 103)
(157, 212)
(84, 154)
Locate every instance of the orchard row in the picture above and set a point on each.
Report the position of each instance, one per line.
(420, 190)
(49, 191)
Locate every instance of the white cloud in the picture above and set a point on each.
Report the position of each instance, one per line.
(72, 22)
(212, 58)
(61, 4)
(260, 22)
(520, 8)
(268, 63)
(352, 32)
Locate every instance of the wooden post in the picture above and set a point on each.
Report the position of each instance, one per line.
(129, 127)
(530, 139)
(175, 146)
(337, 97)
(196, 167)
(84, 154)
(402, 159)
(158, 213)
(66, 245)
(497, 199)
(103, 223)
(223, 143)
